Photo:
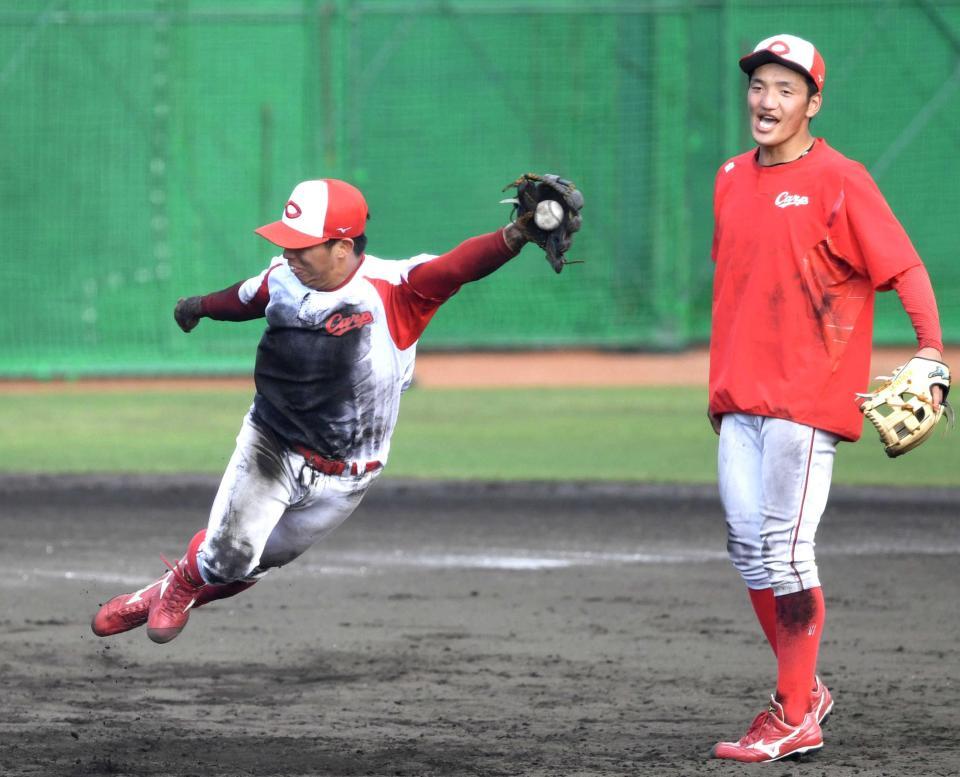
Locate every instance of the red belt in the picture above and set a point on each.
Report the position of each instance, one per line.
(331, 467)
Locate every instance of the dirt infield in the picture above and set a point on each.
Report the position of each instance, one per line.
(466, 629)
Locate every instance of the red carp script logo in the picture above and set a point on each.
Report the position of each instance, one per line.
(339, 324)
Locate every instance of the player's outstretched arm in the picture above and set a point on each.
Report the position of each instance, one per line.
(473, 259)
(187, 313)
(225, 305)
(514, 238)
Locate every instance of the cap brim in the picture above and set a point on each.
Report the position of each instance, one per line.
(752, 61)
(280, 234)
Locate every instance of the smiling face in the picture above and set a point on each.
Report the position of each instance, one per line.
(780, 111)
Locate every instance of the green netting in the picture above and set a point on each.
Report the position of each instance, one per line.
(145, 140)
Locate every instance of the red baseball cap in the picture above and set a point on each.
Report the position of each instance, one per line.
(790, 51)
(318, 211)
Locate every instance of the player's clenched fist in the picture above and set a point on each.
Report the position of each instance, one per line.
(187, 313)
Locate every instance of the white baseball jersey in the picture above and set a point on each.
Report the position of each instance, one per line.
(331, 365)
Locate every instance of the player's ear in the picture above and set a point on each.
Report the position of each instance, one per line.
(813, 105)
(344, 247)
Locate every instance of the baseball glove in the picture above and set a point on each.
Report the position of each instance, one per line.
(188, 313)
(531, 191)
(902, 407)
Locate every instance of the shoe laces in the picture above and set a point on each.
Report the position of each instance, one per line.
(181, 588)
(133, 613)
(143, 603)
(755, 732)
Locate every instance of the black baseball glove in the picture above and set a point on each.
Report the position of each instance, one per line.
(531, 191)
(188, 313)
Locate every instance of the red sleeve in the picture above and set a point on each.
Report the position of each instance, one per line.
(916, 294)
(226, 305)
(410, 305)
(407, 312)
(473, 259)
(867, 234)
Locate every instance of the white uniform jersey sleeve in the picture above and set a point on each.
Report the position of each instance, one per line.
(249, 288)
(393, 270)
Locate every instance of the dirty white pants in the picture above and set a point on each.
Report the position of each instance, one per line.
(271, 507)
(774, 477)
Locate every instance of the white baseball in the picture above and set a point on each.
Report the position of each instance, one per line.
(548, 215)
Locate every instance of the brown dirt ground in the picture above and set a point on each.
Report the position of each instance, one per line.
(494, 370)
(466, 629)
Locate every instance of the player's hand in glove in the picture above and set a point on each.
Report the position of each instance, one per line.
(531, 191)
(907, 406)
(187, 313)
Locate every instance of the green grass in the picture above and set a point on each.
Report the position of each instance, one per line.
(631, 434)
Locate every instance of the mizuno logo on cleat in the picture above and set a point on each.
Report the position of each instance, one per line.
(773, 748)
(137, 596)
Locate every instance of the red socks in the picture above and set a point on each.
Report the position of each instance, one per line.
(764, 605)
(799, 625)
(792, 625)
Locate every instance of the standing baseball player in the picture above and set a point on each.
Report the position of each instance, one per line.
(337, 352)
(803, 238)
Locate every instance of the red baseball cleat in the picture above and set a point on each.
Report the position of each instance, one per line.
(179, 591)
(771, 738)
(126, 611)
(821, 702)
(130, 611)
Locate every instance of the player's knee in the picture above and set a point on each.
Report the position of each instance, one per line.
(790, 566)
(227, 560)
(754, 575)
(748, 561)
(788, 577)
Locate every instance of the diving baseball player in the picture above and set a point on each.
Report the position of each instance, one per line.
(337, 352)
(803, 239)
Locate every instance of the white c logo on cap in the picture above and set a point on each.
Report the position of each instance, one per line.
(292, 210)
(779, 47)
